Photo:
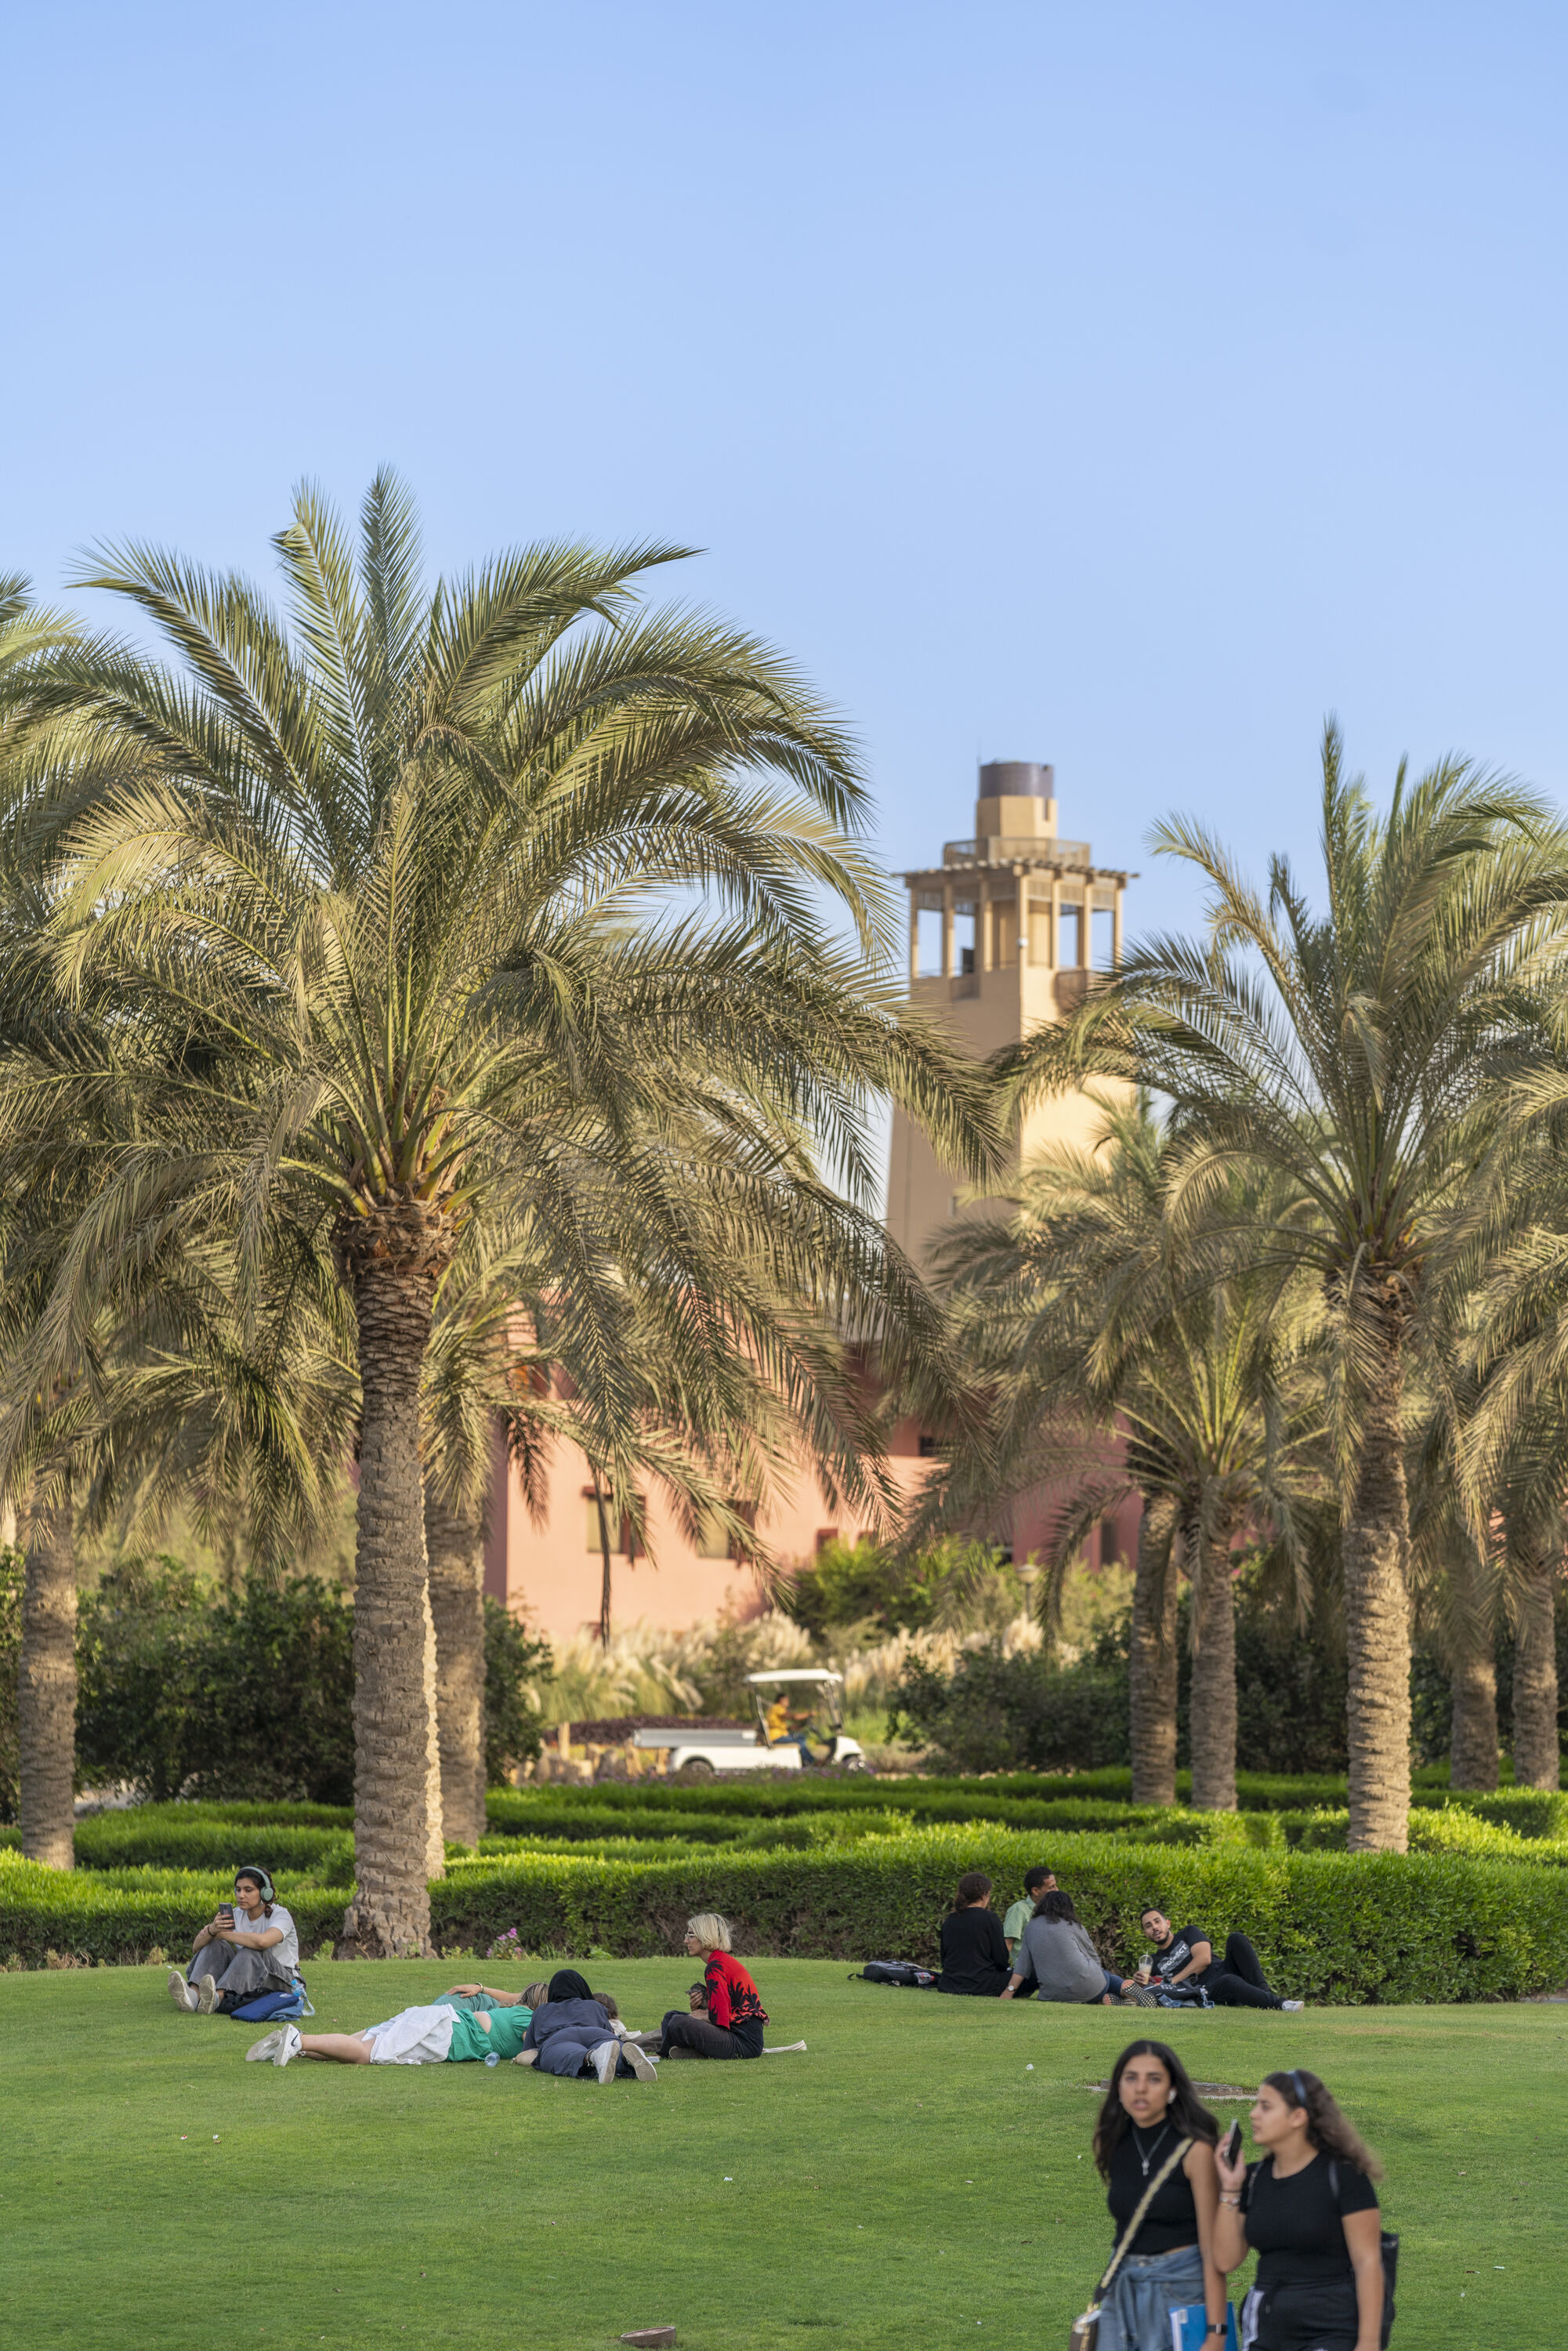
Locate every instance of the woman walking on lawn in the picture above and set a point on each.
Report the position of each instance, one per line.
(733, 2024)
(1152, 2122)
(1310, 2210)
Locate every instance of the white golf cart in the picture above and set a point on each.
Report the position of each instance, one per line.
(781, 1740)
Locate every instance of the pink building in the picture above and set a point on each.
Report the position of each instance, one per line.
(1016, 915)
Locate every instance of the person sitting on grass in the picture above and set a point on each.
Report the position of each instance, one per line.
(1057, 1954)
(729, 2022)
(247, 1947)
(1036, 1882)
(1185, 1957)
(974, 1954)
(575, 2031)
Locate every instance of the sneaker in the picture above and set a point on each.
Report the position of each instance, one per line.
(207, 1995)
(181, 1994)
(641, 2064)
(280, 2046)
(1292, 2006)
(605, 2059)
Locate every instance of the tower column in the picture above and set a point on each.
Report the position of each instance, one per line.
(1056, 920)
(1117, 931)
(914, 936)
(946, 930)
(983, 920)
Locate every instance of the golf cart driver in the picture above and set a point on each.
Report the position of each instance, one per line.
(774, 1699)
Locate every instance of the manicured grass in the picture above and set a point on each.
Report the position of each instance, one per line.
(905, 2183)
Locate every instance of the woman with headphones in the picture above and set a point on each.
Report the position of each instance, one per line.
(249, 1946)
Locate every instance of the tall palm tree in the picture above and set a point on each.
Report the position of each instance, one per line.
(412, 881)
(1350, 1051)
(1125, 1355)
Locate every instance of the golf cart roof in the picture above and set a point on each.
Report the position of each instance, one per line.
(796, 1674)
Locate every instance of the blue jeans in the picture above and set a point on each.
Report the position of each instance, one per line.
(1136, 2314)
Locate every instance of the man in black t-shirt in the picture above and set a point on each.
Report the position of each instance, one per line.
(1185, 1955)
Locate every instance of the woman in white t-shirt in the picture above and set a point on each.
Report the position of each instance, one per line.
(248, 1947)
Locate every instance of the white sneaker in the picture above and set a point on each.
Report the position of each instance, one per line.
(181, 1994)
(1293, 2005)
(604, 2060)
(641, 2064)
(280, 2046)
(207, 1995)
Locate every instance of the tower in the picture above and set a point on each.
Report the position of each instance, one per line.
(1003, 935)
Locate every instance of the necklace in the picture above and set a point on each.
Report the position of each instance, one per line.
(1138, 2148)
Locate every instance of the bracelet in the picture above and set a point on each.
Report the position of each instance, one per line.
(1233, 2199)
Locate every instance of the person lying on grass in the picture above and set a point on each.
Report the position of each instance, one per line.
(442, 2032)
(247, 1947)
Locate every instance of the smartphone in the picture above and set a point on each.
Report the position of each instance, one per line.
(1232, 2142)
(226, 1910)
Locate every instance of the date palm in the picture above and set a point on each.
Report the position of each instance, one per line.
(1352, 1051)
(440, 887)
(1127, 1358)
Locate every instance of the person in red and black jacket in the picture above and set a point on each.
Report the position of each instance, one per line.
(736, 2016)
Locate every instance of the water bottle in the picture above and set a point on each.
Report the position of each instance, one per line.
(492, 2059)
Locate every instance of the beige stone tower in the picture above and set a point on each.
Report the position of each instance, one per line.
(1013, 942)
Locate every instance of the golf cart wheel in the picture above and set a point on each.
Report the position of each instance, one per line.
(697, 1768)
(856, 1763)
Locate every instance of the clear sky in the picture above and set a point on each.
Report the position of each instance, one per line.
(1124, 386)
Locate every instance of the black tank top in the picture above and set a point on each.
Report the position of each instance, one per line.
(1172, 2218)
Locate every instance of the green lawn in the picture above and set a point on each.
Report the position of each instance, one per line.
(907, 2183)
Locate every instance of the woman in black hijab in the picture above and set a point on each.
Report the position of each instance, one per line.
(571, 2034)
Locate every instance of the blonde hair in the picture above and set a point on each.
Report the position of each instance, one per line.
(535, 1995)
(710, 1930)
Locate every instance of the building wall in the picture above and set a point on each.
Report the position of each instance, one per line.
(982, 1011)
(548, 1570)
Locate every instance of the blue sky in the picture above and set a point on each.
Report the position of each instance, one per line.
(1121, 386)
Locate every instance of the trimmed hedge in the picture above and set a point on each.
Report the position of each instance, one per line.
(1331, 1928)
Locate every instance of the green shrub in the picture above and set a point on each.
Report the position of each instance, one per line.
(1331, 1927)
(857, 1583)
(514, 1663)
(992, 1709)
(249, 1695)
(115, 1918)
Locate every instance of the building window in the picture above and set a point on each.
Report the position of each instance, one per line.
(1110, 1545)
(826, 1535)
(927, 1447)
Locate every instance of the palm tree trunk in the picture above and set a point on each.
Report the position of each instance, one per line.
(1152, 1665)
(455, 1545)
(389, 1913)
(46, 1686)
(1473, 1679)
(1376, 1549)
(1537, 1754)
(1213, 1700)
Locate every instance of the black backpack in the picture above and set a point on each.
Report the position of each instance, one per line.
(903, 1974)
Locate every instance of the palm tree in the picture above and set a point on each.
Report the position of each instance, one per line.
(394, 878)
(1350, 1053)
(1121, 1360)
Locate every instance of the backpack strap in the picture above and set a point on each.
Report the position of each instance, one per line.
(1136, 2222)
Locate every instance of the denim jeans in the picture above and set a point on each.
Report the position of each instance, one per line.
(1136, 2314)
